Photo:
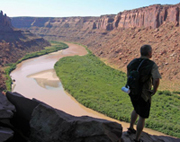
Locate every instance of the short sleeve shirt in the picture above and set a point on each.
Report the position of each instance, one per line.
(147, 86)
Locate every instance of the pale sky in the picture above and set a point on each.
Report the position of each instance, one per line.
(68, 8)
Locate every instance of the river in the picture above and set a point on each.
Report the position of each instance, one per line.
(36, 78)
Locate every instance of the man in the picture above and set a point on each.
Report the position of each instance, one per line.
(149, 76)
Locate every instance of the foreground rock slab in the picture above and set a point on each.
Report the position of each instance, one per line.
(6, 134)
(48, 124)
(148, 138)
(6, 108)
(6, 113)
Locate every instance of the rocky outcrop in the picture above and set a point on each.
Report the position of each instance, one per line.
(6, 110)
(5, 22)
(149, 138)
(152, 16)
(46, 124)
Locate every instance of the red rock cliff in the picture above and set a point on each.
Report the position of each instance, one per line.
(117, 38)
(15, 43)
(152, 16)
(5, 22)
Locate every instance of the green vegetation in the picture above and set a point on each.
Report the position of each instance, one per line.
(98, 86)
(10, 67)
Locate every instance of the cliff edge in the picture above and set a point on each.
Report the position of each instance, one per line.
(39, 122)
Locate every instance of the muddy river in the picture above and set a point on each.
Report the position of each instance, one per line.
(36, 78)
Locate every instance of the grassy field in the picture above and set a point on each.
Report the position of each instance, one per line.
(98, 86)
(55, 46)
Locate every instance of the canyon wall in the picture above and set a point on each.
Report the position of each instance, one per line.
(117, 38)
(152, 16)
(15, 43)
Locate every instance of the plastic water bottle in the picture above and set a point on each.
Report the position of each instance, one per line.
(125, 89)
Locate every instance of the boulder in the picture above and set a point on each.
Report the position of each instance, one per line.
(5, 134)
(48, 124)
(6, 111)
(6, 108)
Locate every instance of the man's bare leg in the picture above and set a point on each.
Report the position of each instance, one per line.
(140, 126)
(134, 116)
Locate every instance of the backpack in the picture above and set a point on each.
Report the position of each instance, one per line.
(139, 72)
(133, 81)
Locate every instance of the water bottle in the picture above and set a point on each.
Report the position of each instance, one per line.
(125, 89)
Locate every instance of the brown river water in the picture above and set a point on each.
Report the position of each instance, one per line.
(36, 78)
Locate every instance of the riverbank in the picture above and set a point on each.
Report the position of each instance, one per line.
(55, 46)
(98, 87)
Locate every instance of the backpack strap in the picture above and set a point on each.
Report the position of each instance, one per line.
(140, 65)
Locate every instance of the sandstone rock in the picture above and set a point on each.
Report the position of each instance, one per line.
(148, 138)
(5, 134)
(151, 16)
(15, 43)
(5, 22)
(6, 108)
(6, 111)
(48, 124)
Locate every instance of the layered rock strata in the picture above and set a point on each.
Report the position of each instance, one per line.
(15, 43)
(152, 16)
(117, 38)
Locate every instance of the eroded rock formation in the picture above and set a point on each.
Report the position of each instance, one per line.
(152, 16)
(7, 111)
(117, 38)
(48, 124)
(15, 43)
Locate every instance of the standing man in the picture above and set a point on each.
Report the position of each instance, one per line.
(149, 82)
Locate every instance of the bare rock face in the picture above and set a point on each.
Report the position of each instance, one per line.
(5, 22)
(48, 124)
(5, 134)
(148, 138)
(6, 111)
(6, 108)
(152, 16)
(15, 43)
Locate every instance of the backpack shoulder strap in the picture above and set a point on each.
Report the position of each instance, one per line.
(140, 64)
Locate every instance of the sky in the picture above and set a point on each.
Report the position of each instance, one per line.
(69, 8)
